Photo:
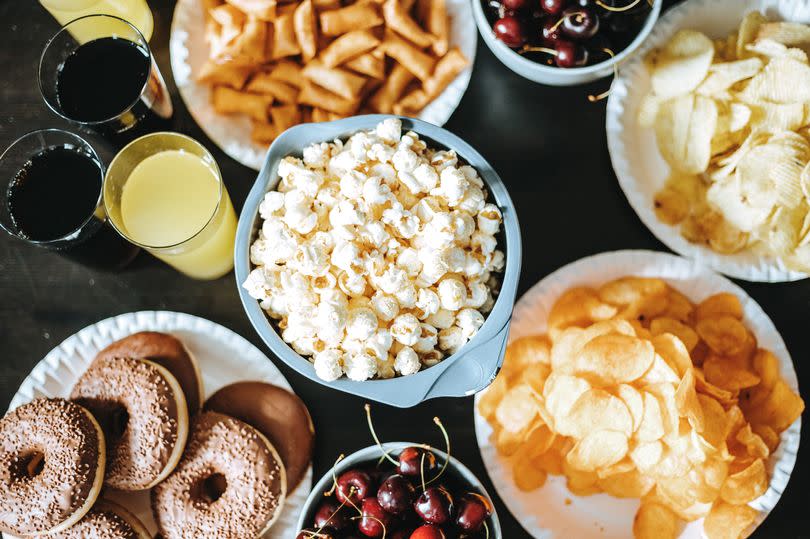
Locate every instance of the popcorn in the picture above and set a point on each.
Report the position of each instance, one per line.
(407, 362)
(361, 323)
(376, 255)
(360, 367)
(452, 294)
(406, 329)
(329, 364)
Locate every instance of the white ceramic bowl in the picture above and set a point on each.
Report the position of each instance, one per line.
(556, 76)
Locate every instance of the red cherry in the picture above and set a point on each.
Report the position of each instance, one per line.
(569, 54)
(330, 514)
(580, 23)
(514, 5)
(554, 7)
(375, 520)
(510, 31)
(473, 510)
(427, 532)
(354, 485)
(410, 461)
(551, 32)
(313, 533)
(435, 506)
(396, 494)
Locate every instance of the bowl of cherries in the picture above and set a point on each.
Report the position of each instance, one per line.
(399, 490)
(564, 42)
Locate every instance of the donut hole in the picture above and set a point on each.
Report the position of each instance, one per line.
(118, 421)
(32, 464)
(212, 487)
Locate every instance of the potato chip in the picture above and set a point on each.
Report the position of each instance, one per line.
(786, 33)
(648, 110)
(507, 443)
(671, 206)
(561, 392)
(726, 521)
(745, 485)
(539, 440)
(634, 401)
(598, 449)
(613, 359)
(684, 128)
(724, 75)
(722, 304)
(682, 64)
(580, 483)
(725, 335)
(526, 475)
(660, 372)
(671, 347)
(596, 407)
(714, 420)
(652, 422)
(767, 435)
(629, 484)
(751, 442)
(654, 521)
(525, 351)
(687, 401)
(727, 375)
(749, 27)
(517, 409)
(579, 307)
(778, 410)
(628, 290)
(766, 366)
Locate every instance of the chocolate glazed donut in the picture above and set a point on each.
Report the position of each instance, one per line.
(278, 414)
(168, 352)
(143, 413)
(51, 466)
(230, 483)
(106, 520)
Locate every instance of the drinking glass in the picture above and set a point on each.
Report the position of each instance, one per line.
(135, 11)
(148, 112)
(207, 253)
(93, 242)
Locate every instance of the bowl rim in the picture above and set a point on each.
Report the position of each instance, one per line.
(500, 49)
(496, 323)
(369, 453)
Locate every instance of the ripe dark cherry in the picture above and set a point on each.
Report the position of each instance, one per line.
(514, 5)
(570, 54)
(551, 32)
(554, 7)
(580, 23)
(375, 520)
(427, 532)
(330, 514)
(400, 534)
(396, 494)
(410, 461)
(354, 485)
(313, 533)
(435, 506)
(473, 509)
(510, 31)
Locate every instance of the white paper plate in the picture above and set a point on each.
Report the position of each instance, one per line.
(223, 357)
(633, 151)
(189, 52)
(544, 513)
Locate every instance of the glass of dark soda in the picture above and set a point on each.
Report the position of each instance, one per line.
(97, 71)
(51, 197)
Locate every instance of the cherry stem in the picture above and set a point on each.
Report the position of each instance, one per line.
(335, 512)
(376, 439)
(334, 476)
(486, 529)
(546, 50)
(447, 446)
(372, 518)
(598, 97)
(631, 5)
(422, 471)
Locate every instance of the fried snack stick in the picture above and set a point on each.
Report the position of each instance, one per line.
(230, 74)
(261, 9)
(263, 132)
(315, 96)
(264, 83)
(289, 72)
(368, 64)
(387, 95)
(447, 69)
(433, 16)
(225, 25)
(249, 46)
(320, 115)
(284, 42)
(285, 117)
(398, 20)
(325, 5)
(417, 62)
(229, 101)
(348, 46)
(336, 80)
(305, 29)
(357, 16)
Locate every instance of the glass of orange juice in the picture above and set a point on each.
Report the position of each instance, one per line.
(164, 193)
(135, 11)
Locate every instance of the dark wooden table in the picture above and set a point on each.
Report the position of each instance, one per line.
(548, 144)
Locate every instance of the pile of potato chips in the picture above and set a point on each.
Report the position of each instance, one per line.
(282, 64)
(638, 393)
(732, 119)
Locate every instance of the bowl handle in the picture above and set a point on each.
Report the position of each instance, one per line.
(474, 370)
